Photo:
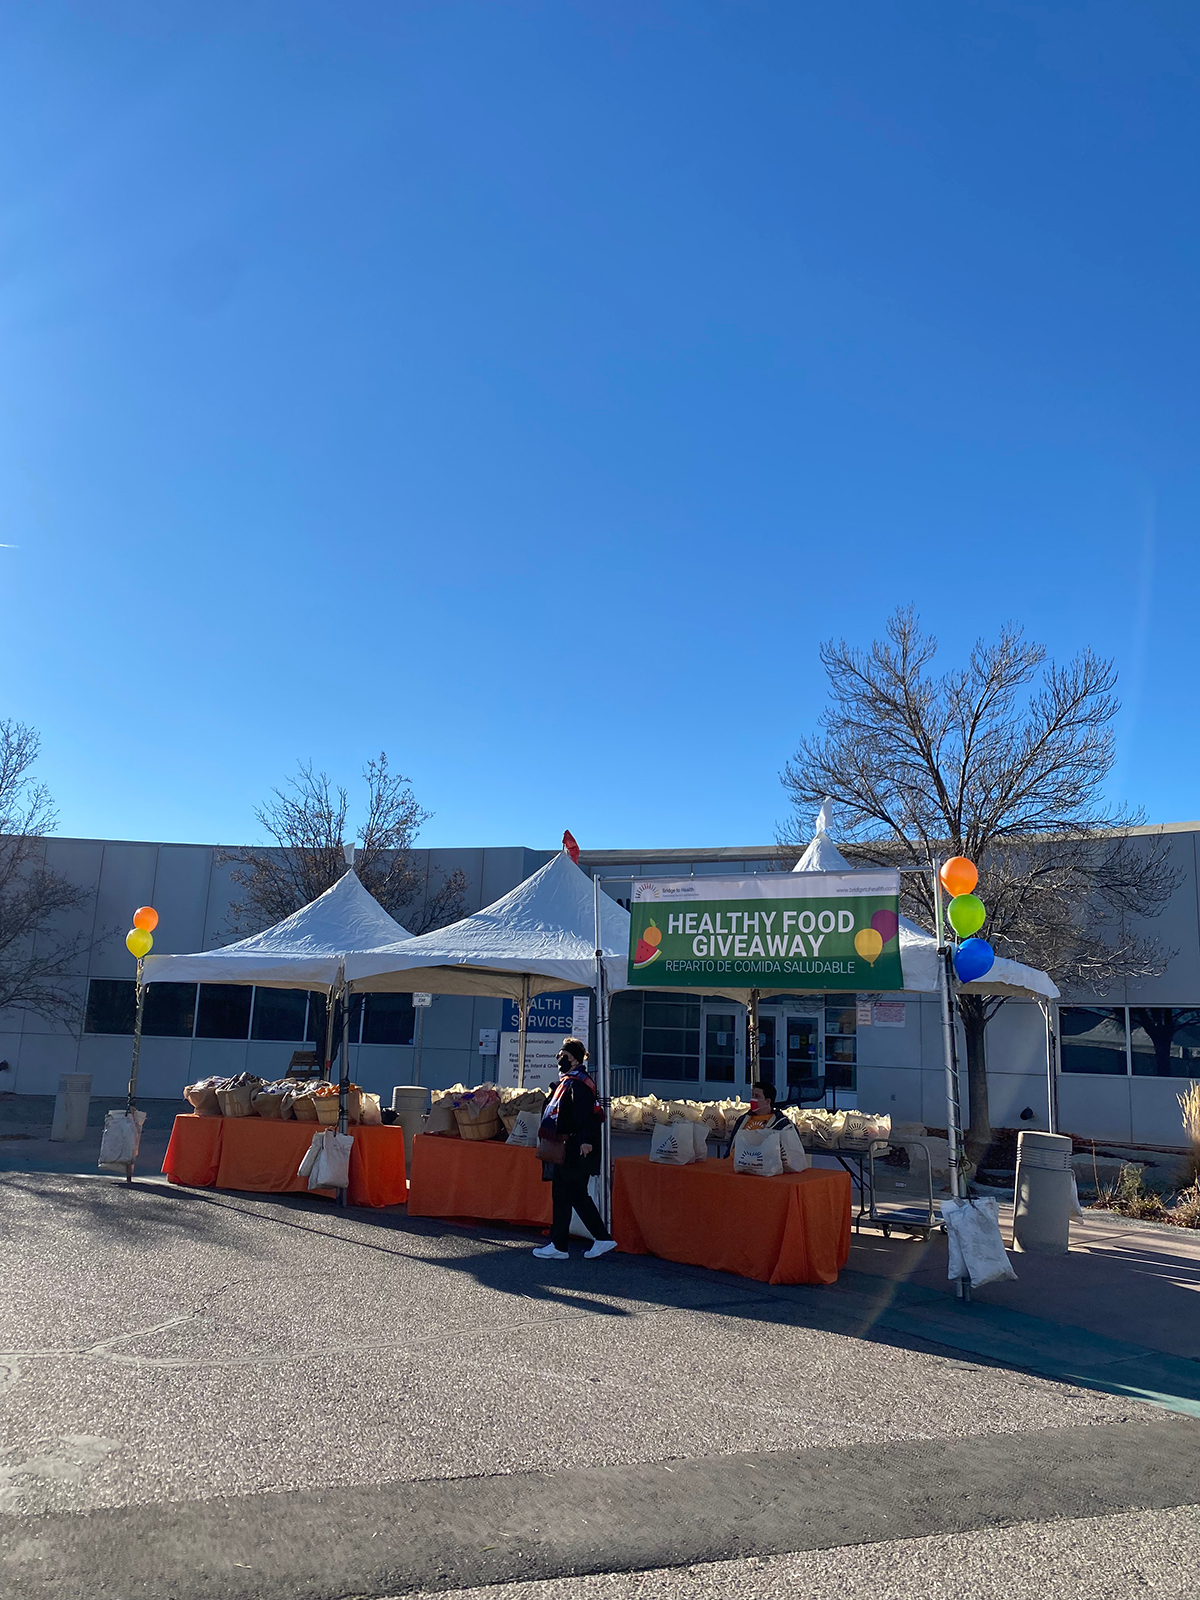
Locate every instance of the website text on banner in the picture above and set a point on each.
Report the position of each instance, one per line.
(811, 930)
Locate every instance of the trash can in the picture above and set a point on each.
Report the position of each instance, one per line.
(71, 1106)
(410, 1102)
(1042, 1203)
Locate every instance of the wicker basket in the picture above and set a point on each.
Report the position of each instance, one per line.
(326, 1107)
(480, 1130)
(478, 1121)
(235, 1102)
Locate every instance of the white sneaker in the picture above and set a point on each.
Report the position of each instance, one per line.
(547, 1252)
(600, 1248)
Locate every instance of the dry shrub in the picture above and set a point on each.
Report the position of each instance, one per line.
(1129, 1197)
(1185, 1213)
(1189, 1105)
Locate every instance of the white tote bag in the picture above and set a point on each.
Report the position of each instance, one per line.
(331, 1167)
(120, 1140)
(525, 1129)
(756, 1152)
(795, 1156)
(673, 1143)
(700, 1132)
(976, 1248)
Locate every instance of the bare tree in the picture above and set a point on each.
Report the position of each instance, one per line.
(1002, 760)
(307, 820)
(36, 960)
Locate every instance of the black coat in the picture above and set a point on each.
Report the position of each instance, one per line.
(579, 1122)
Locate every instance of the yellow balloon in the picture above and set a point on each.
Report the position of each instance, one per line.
(869, 944)
(139, 942)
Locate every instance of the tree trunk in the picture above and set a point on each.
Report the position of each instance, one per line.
(974, 1017)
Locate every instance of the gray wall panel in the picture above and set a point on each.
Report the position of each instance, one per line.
(181, 897)
(126, 882)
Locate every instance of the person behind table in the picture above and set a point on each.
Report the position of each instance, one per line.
(574, 1115)
(762, 1113)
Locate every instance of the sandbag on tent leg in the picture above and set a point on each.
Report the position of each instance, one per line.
(120, 1140)
(331, 1169)
(976, 1248)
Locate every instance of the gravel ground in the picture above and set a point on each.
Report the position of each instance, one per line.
(161, 1346)
(1142, 1554)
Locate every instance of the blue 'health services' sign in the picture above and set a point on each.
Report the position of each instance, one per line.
(548, 1013)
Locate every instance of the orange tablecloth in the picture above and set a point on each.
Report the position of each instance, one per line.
(790, 1229)
(262, 1155)
(477, 1178)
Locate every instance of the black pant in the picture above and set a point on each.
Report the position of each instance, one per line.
(569, 1192)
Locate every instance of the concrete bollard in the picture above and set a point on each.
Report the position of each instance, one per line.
(410, 1101)
(1042, 1203)
(71, 1106)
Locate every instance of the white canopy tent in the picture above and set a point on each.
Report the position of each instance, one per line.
(542, 936)
(307, 950)
(918, 949)
(538, 938)
(926, 970)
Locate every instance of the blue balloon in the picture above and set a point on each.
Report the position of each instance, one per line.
(973, 959)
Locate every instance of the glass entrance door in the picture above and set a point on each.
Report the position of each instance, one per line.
(802, 1050)
(720, 1045)
(789, 1048)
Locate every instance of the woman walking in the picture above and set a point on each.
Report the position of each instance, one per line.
(569, 1139)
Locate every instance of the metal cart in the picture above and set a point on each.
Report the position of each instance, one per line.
(858, 1157)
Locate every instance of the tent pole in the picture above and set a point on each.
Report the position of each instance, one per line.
(522, 1032)
(752, 1064)
(327, 1065)
(344, 1075)
(131, 1102)
(419, 1043)
(950, 1055)
(602, 1076)
(1051, 1066)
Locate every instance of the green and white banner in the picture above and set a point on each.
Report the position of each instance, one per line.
(785, 930)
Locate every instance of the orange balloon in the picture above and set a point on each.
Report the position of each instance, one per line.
(145, 917)
(958, 875)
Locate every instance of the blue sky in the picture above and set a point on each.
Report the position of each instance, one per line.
(526, 389)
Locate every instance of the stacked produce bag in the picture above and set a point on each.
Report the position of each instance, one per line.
(285, 1099)
(486, 1112)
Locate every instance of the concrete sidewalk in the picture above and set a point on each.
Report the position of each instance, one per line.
(26, 1146)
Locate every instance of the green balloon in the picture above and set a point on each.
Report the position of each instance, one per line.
(967, 914)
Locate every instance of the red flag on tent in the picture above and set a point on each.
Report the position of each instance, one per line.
(570, 846)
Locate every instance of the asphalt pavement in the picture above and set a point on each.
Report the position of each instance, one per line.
(221, 1395)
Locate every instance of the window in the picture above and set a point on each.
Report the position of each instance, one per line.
(720, 1046)
(1093, 1039)
(671, 1039)
(111, 1005)
(316, 1020)
(1165, 1041)
(388, 1019)
(841, 1041)
(279, 1014)
(170, 1010)
(625, 1028)
(223, 1011)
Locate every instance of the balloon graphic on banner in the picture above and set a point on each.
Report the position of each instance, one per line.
(967, 914)
(139, 942)
(886, 924)
(145, 917)
(958, 875)
(869, 944)
(972, 959)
